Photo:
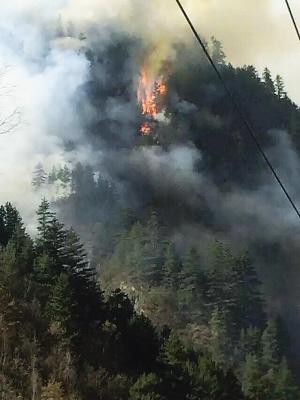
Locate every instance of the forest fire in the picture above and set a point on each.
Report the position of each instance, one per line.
(149, 95)
(145, 129)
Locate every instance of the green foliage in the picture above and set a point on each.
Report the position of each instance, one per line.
(270, 348)
(60, 303)
(146, 388)
(73, 343)
(220, 346)
(9, 220)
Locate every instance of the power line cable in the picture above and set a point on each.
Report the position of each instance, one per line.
(293, 18)
(238, 110)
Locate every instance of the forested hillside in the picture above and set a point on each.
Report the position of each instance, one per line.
(189, 289)
(61, 338)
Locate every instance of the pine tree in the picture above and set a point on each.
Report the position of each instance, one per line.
(45, 218)
(82, 180)
(174, 351)
(191, 262)
(52, 177)
(153, 250)
(251, 378)
(51, 238)
(249, 310)
(171, 265)
(218, 55)
(221, 277)
(209, 382)
(64, 175)
(134, 248)
(285, 387)
(74, 258)
(18, 258)
(10, 219)
(220, 344)
(49, 249)
(249, 343)
(279, 86)
(146, 388)
(39, 176)
(270, 348)
(61, 303)
(192, 284)
(268, 81)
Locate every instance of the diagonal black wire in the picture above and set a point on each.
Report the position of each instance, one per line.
(293, 18)
(239, 111)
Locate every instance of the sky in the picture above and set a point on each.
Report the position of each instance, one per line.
(258, 32)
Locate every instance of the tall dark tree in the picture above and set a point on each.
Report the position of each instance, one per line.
(268, 81)
(10, 219)
(218, 54)
(279, 87)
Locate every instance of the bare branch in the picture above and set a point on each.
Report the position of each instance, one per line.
(11, 119)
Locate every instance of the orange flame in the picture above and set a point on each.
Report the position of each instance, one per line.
(145, 129)
(146, 95)
(150, 90)
(161, 87)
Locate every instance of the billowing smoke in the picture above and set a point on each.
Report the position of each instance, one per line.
(40, 42)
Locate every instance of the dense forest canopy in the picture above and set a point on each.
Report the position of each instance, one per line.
(62, 337)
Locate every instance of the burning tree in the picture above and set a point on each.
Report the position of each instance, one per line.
(151, 90)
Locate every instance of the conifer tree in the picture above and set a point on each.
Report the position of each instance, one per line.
(279, 86)
(270, 348)
(39, 176)
(251, 378)
(74, 258)
(153, 250)
(249, 343)
(220, 270)
(268, 81)
(249, 310)
(285, 388)
(51, 238)
(52, 176)
(61, 303)
(146, 388)
(45, 217)
(192, 284)
(218, 55)
(220, 345)
(18, 258)
(171, 265)
(64, 175)
(10, 219)
(133, 249)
